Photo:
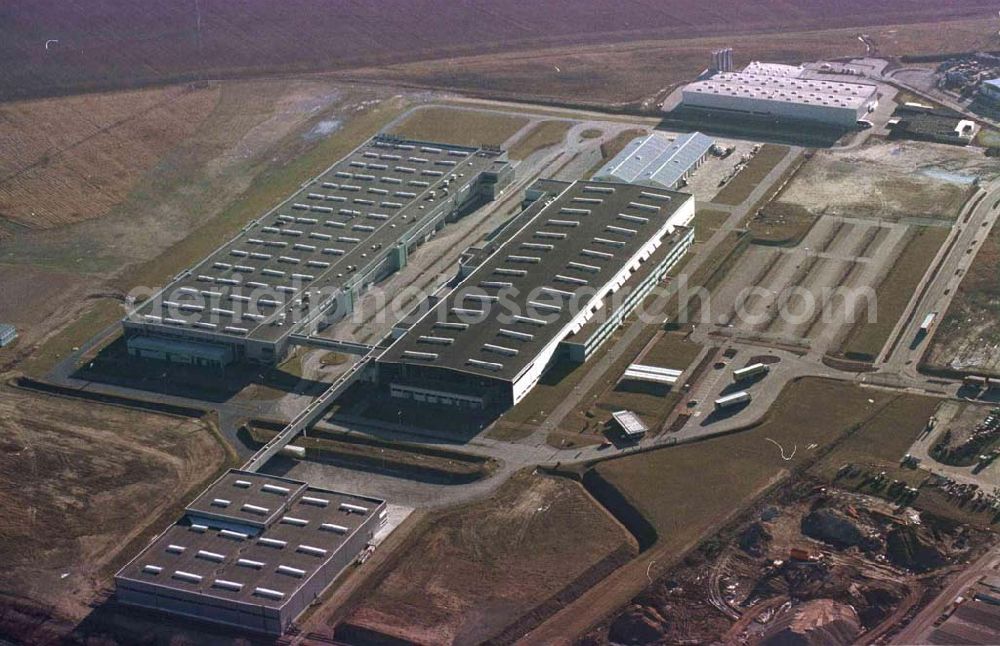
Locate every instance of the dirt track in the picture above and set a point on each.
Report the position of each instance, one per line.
(80, 481)
(478, 570)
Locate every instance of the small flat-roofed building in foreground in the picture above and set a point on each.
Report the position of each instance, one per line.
(651, 374)
(631, 426)
(251, 551)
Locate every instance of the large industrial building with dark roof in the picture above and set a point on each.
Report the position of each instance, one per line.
(308, 260)
(251, 551)
(556, 283)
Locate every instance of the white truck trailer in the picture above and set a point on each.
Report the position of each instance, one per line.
(751, 371)
(731, 401)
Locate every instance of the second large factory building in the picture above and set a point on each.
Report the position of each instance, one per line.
(557, 285)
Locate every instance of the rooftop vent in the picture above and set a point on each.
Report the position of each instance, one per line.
(269, 593)
(331, 527)
(489, 365)
(314, 551)
(291, 571)
(423, 356)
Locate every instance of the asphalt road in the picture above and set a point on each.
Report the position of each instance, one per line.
(938, 288)
(921, 626)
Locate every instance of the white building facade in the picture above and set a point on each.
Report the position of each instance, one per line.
(779, 91)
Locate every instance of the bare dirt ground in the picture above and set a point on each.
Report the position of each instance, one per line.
(889, 180)
(969, 336)
(477, 571)
(73, 159)
(863, 552)
(34, 299)
(80, 482)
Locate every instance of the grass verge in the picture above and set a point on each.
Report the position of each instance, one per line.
(739, 188)
(460, 126)
(707, 221)
(865, 340)
(685, 491)
(542, 135)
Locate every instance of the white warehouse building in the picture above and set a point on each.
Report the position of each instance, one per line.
(658, 161)
(780, 91)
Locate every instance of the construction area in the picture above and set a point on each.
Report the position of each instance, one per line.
(895, 181)
(840, 536)
(807, 564)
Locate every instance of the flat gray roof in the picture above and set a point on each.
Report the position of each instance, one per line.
(336, 224)
(261, 566)
(785, 89)
(242, 498)
(656, 159)
(572, 246)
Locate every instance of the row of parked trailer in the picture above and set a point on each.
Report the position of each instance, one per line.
(741, 375)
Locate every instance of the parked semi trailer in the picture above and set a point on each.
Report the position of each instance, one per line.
(730, 401)
(751, 371)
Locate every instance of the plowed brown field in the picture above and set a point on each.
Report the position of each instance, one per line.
(73, 159)
(102, 42)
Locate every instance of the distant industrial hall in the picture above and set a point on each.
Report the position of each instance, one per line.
(305, 263)
(782, 91)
